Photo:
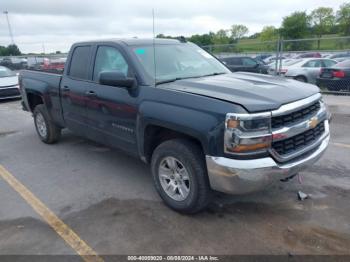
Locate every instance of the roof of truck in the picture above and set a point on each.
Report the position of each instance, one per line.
(134, 41)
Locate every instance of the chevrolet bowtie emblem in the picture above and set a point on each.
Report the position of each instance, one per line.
(313, 122)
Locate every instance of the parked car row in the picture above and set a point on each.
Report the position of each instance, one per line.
(304, 69)
(330, 72)
(49, 64)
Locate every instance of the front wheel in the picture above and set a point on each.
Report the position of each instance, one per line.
(180, 175)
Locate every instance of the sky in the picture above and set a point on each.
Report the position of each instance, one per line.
(39, 25)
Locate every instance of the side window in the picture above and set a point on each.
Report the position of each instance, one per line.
(109, 59)
(329, 63)
(234, 61)
(80, 62)
(248, 61)
(313, 63)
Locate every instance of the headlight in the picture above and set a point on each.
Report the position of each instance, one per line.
(247, 133)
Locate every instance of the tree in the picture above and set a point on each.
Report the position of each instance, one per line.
(322, 20)
(13, 50)
(3, 51)
(221, 37)
(269, 33)
(343, 19)
(238, 31)
(203, 40)
(9, 50)
(296, 26)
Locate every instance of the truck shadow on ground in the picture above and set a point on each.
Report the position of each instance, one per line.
(241, 227)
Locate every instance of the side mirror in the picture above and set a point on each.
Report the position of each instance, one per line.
(115, 78)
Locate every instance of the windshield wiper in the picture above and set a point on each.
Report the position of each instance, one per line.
(214, 74)
(169, 80)
(181, 78)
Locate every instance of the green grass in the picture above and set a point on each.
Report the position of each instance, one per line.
(255, 45)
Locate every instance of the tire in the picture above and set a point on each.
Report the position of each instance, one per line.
(47, 131)
(301, 79)
(188, 159)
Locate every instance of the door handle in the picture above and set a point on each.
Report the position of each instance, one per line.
(66, 88)
(90, 94)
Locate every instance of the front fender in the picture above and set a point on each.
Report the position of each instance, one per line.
(204, 126)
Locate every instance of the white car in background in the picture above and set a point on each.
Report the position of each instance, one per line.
(306, 69)
(272, 66)
(9, 87)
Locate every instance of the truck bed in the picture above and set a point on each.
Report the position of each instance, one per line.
(51, 79)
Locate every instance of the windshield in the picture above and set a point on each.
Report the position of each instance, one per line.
(177, 61)
(5, 72)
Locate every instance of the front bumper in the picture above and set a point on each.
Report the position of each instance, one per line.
(9, 93)
(244, 176)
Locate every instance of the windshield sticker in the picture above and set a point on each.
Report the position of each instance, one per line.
(205, 54)
(140, 51)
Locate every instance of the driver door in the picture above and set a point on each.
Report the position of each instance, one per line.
(111, 110)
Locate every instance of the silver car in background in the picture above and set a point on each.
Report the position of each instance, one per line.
(9, 87)
(306, 69)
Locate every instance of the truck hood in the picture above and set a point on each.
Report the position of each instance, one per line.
(255, 92)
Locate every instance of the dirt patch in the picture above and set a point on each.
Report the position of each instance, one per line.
(335, 170)
(6, 133)
(318, 240)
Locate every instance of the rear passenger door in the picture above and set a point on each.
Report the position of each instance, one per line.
(73, 89)
(111, 110)
(312, 69)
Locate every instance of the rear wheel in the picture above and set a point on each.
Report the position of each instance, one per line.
(47, 131)
(180, 176)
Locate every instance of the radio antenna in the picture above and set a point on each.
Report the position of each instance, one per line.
(154, 50)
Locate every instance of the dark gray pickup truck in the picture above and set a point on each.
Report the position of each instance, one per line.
(175, 106)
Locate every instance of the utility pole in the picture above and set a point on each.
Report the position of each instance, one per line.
(9, 26)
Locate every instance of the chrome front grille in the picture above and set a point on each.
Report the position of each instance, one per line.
(296, 116)
(298, 128)
(293, 144)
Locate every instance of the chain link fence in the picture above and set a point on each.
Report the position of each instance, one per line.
(322, 61)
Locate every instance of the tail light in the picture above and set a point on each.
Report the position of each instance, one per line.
(283, 71)
(338, 74)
